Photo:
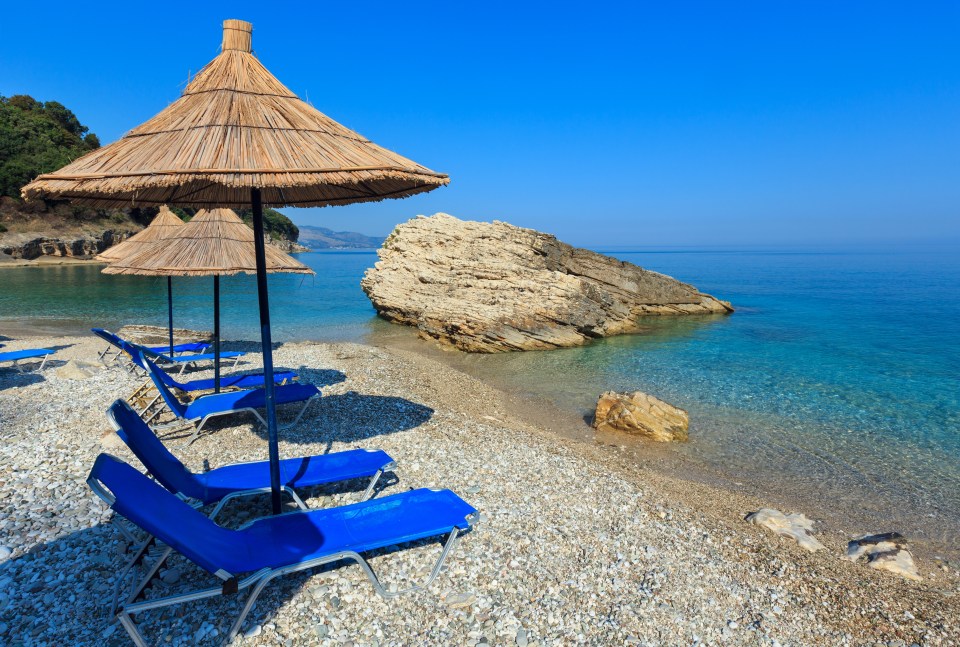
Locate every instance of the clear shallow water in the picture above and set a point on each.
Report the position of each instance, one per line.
(836, 381)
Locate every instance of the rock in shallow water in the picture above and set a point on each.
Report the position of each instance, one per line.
(796, 526)
(492, 287)
(641, 414)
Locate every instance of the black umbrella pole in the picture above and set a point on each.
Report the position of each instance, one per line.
(216, 333)
(170, 311)
(266, 342)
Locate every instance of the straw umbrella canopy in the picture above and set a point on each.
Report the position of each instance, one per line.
(162, 226)
(239, 137)
(215, 242)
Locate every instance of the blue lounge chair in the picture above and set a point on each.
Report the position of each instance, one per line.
(214, 405)
(248, 381)
(107, 354)
(242, 479)
(17, 356)
(183, 361)
(272, 546)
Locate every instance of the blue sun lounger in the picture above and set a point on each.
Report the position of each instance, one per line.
(183, 361)
(17, 356)
(189, 347)
(271, 546)
(247, 381)
(214, 405)
(222, 484)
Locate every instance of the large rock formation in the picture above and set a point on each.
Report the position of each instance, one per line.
(83, 247)
(490, 287)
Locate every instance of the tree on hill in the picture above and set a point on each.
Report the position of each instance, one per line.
(37, 138)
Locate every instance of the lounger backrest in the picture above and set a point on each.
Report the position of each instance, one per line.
(178, 408)
(107, 336)
(160, 463)
(162, 514)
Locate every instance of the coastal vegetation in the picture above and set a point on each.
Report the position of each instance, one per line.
(38, 137)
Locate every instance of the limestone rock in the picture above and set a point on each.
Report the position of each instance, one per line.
(886, 551)
(492, 287)
(641, 414)
(77, 370)
(795, 526)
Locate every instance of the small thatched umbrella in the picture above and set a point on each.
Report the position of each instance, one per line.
(237, 136)
(215, 242)
(162, 226)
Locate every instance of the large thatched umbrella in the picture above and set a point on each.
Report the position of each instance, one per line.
(237, 136)
(215, 242)
(163, 225)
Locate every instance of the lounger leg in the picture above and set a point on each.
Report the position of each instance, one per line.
(447, 549)
(43, 362)
(299, 415)
(237, 361)
(373, 482)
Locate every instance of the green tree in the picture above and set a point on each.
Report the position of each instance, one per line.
(37, 138)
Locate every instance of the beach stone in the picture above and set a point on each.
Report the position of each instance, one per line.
(641, 414)
(493, 287)
(76, 370)
(459, 600)
(110, 440)
(886, 551)
(795, 526)
(253, 631)
(5, 552)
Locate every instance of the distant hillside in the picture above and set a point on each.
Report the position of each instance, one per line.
(323, 238)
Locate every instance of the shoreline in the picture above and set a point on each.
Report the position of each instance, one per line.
(669, 461)
(575, 545)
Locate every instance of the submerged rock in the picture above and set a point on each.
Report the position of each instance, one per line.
(796, 526)
(492, 287)
(886, 551)
(641, 414)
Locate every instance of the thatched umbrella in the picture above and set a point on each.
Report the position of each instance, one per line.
(237, 136)
(215, 242)
(162, 226)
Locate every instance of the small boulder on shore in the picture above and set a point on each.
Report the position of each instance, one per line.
(492, 287)
(641, 414)
(886, 551)
(796, 526)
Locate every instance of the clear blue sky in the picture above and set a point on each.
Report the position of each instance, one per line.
(641, 124)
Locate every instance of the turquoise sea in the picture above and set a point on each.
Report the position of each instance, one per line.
(836, 384)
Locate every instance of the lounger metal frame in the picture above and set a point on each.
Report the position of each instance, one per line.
(232, 583)
(205, 419)
(15, 363)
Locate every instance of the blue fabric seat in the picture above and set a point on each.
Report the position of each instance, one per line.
(183, 361)
(17, 356)
(189, 347)
(270, 546)
(241, 478)
(213, 405)
(226, 381)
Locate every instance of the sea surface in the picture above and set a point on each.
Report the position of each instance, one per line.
(834, 385)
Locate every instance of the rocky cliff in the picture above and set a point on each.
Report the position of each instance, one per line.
(491, 287)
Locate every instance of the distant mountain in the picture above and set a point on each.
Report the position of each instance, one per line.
(323, 238)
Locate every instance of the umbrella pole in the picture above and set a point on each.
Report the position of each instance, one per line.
(267, 345)
(170, 311)
(216, 333)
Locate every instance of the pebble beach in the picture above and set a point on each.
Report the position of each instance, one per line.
(574, 545)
